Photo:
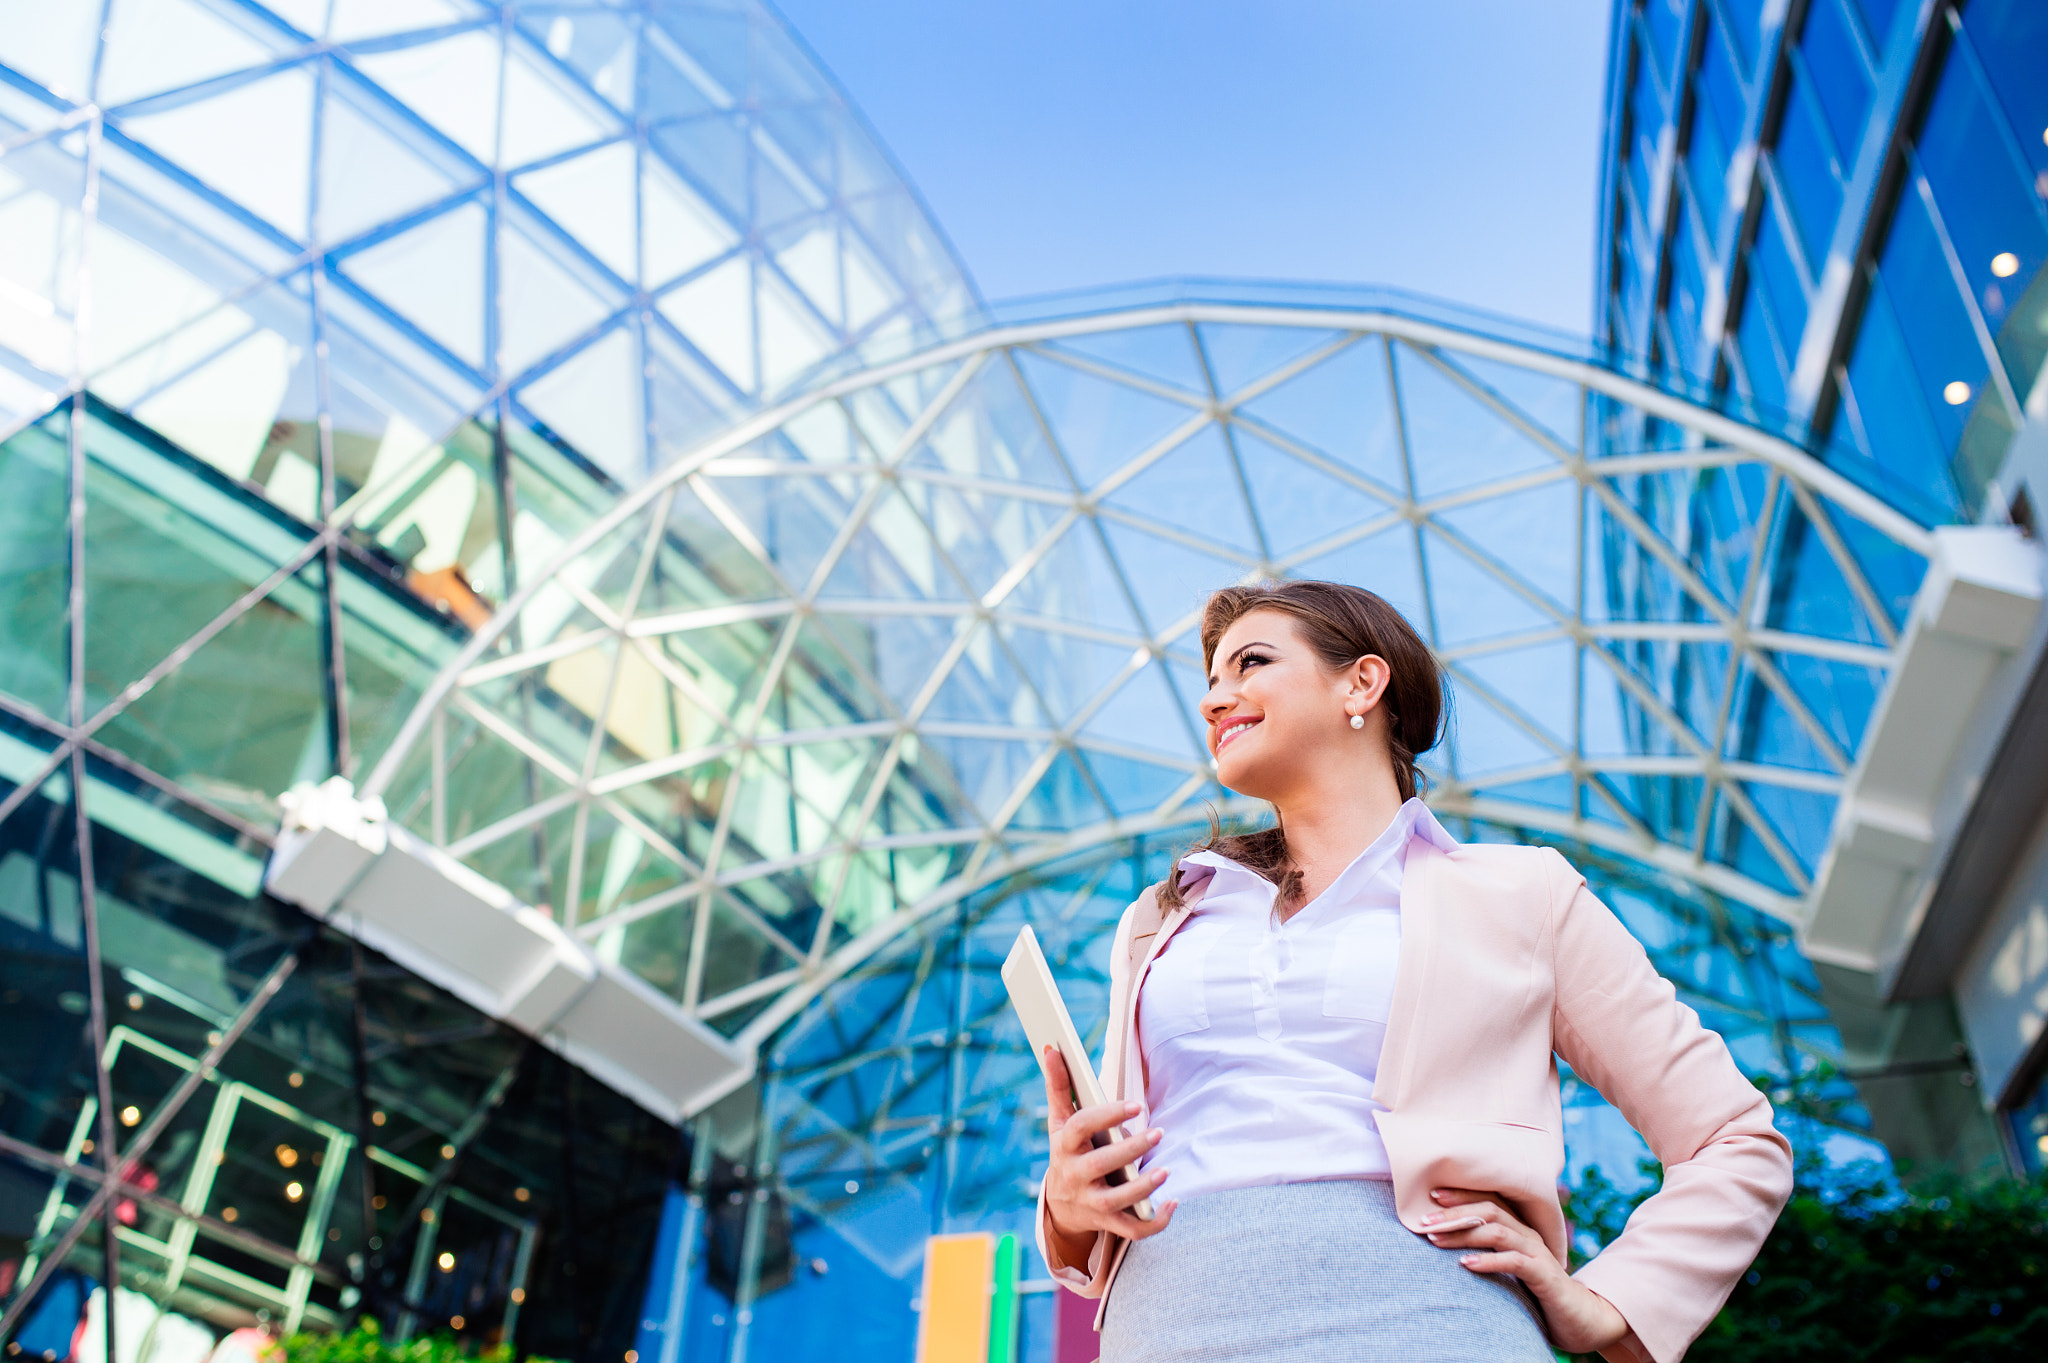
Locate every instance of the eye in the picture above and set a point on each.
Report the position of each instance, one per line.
(1250, 660)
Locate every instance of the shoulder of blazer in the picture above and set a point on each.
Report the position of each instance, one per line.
(1148, 917)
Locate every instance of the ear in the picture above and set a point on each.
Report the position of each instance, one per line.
(1367, 683)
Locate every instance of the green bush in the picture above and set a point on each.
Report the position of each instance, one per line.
(1952, 1272)
(366, 1344)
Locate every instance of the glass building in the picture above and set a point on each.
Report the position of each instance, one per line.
(551, 641)
(1832, 216)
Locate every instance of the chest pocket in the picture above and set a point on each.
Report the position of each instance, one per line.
(1175, 999)
(1363, 957)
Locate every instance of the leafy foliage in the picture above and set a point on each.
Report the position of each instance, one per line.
(1953, 1272)
(366, 1344)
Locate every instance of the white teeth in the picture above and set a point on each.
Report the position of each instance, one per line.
(1232, 732)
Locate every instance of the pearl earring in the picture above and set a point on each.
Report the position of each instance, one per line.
(1358, 721)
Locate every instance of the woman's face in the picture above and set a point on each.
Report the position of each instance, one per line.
(1273, 707)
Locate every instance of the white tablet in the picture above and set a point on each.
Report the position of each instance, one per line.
(1047, 1023)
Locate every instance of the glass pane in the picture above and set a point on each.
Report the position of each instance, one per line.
(1891, 404)
(2010, 37)
(1771, 260)
(1808, 172)
(1838, 75)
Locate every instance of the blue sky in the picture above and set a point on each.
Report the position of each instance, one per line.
(1450, 146)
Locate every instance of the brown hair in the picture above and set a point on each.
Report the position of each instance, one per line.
(1342, 624)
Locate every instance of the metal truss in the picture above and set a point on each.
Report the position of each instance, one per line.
(932, 625)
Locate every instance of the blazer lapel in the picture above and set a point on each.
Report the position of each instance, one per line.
(1167, 928)
(1406, 1032)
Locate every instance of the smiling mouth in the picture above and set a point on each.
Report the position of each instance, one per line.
(1230, 731)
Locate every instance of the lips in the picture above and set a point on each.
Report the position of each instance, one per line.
(1231, 730)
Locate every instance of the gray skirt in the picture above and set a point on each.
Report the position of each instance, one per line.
(1309, 1273)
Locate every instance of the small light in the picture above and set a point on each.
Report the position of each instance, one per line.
(447, 1152)
(522, 1195)
(295, 1079)
(294, 1190)
(229, 1214)
(2042, 1145)
(213, 1038)
(376, 1119)
(135, 1003)
(446, 1261)
(518, 1296)
(427, 1215)
(334, 1235)
(852, 1186)
(457, 1321)
(86, 1148)
(378, 1202)
(2005, 264)
(1957, 393)
(632, 1356)
(130, 1115)
(2044, 135)
(287, 1156)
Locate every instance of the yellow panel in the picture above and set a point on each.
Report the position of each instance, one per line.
(954, 1325)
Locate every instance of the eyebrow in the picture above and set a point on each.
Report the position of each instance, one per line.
(1239, 652)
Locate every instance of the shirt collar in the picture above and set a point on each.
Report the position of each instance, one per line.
(1412, 820)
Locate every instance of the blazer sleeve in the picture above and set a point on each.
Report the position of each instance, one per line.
(1091, 1279)
(1727, 1170)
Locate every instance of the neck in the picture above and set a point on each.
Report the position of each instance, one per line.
(1326, 830)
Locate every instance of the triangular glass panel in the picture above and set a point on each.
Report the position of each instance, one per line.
(793, 338)
(808, 256)
(1668, 805)
(1063, 799)
(901, 652)
(56, 45)
(252, 144)
(987, 770)
(371, 170)
(1556, 405)
(546, 114)
(1809, 595)
(1549, 792)
(1171, 582)
(1802, 819)
(1298, 505)
(1893, 571)
(982, 534)
(1387, 564)
(1164, 354)
(793, 519)
(1341, 407)
(1068, 670)
(1195, 489)
(1455, 440)
(592, 401)
(1100, 425)
(592, 197)
(1145, 713)
(715, 312)
(434, 275)
(782, 194)
(990, 431)
(1606, 711)
(892, 556)
(597, 46)
(678, 230)
(158, 45)
(824, 434)
(1133, 788)
(702, 565)
(452, 83)
(711, 153)
(1733, 842)
(1539, 682)
(1838, 696)
(984, 687)
(219, 395)
(1239, 355)
(1483, 736)
(1727, 509)
(542, 306)
(1468, 603)
(688, 405)
(1533, 532)
(1076, 580)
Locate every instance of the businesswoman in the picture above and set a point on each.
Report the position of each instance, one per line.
(1333, 1045)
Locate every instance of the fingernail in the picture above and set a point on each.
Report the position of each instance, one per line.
(1432, 1218)
(1437, 1194)
(1156, 1134)
(1130, 1109)
(1468, 1260)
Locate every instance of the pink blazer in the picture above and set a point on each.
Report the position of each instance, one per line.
(1507, 962)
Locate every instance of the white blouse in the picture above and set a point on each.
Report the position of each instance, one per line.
(1262, 1038)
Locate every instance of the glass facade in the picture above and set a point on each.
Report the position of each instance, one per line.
(1832, 214)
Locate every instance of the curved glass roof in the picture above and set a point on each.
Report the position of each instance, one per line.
(283, 232)
(931, 626)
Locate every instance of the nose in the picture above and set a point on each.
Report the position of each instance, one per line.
(1217, 703)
